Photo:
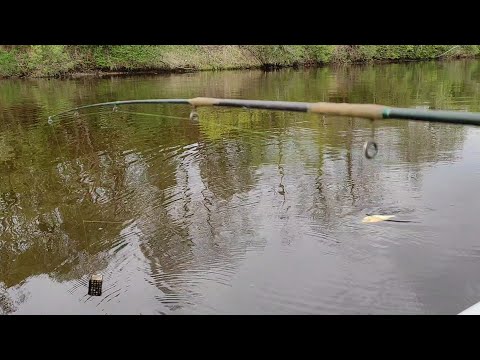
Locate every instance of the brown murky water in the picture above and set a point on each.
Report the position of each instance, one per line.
(242, 212)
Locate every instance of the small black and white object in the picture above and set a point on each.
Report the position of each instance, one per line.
(95, 285)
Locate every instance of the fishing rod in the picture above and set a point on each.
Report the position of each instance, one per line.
(367, 111)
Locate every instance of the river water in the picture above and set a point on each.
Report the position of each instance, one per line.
(243, 211)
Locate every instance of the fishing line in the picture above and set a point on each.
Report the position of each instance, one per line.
(154, 115)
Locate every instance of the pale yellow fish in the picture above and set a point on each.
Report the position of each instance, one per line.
(376, 218)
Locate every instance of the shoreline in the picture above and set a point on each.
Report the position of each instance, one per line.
(74, 62)
(126, 73)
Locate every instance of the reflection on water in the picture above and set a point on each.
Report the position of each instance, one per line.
(243, 211)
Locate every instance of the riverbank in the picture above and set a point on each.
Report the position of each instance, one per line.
(82, 60)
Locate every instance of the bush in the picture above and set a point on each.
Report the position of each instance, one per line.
(45, 60)
(127, 57)
(8, 63)
(320, 54)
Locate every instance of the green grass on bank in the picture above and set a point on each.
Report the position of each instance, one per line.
(59, 60)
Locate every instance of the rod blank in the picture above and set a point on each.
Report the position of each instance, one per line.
(367, 111)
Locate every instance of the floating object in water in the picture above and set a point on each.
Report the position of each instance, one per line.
(95, 285)
(377, 218)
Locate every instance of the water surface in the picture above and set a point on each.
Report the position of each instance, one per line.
(244, 211)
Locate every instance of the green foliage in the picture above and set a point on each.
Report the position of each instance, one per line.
(471, 50)
(8, 63)
(365, 53)
(45, 60)
(127, 57)
(410, 52)
(320, 53)
(57, 60)
(288, 55)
